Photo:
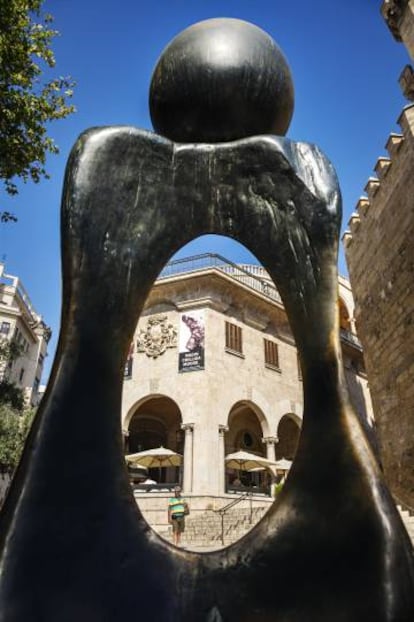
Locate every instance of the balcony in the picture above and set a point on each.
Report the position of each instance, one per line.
(248, 275)
(351, 339)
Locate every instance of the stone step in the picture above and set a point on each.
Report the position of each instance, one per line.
(408, 520)
(207, 529)
(204, 532)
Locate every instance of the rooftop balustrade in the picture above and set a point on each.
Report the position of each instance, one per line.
(251, 276)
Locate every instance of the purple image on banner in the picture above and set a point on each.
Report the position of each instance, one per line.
(191, 348)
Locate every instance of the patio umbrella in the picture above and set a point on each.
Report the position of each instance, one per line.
(157, 457)
(245, 461)
(283, 464)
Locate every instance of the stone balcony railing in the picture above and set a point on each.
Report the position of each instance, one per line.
(250, 276)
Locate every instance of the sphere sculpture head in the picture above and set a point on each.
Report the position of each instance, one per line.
(221, 80)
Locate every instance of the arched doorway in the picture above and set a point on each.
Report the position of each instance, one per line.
(288, 433)
(246, 428)
(156, 422)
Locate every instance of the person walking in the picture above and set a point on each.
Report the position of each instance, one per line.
(177, 510)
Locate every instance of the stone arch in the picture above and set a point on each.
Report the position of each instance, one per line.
(284, 407)
(252, 414)
(247, 426)
(259, 403)
(154, 421)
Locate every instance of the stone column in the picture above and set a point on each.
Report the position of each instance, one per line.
(125, 436)
(222, 454)
(188, 457)
(352, 325)
(270, 442)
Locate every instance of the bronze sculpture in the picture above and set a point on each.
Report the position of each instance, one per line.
(74, 545)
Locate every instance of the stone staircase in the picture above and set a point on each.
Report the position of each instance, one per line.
(204, 531)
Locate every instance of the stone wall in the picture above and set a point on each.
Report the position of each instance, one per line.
(380, 255)
(407, 27)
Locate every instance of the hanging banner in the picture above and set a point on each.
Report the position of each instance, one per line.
(191, 345)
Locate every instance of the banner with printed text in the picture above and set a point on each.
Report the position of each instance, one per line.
(191, 345)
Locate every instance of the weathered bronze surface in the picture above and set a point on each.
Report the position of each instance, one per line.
(74, 544)
(220, 80)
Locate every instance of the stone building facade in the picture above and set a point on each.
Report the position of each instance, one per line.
(380, 255)
(213, 369)
(20, 322)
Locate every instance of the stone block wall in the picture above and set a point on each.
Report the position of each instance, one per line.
(379, 248)
(407, 27)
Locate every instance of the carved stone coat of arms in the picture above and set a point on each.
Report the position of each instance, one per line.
(158, 335)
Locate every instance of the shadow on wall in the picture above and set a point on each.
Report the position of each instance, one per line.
(359, 402)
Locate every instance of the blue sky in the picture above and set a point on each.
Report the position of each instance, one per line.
(345, 67)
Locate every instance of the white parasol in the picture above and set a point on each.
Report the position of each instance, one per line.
(245, 461)
(283, 464)
(157, 457)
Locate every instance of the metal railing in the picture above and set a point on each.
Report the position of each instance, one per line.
(255, 490)
(167, 487)
(351, 338)
(223, 510)
(242, 274)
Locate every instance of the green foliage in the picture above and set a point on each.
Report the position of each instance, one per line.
(11, 395)
(7, 217)
(27, 103)
(15, 419)
(277, 489)
(14, 428)
(10, 350)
